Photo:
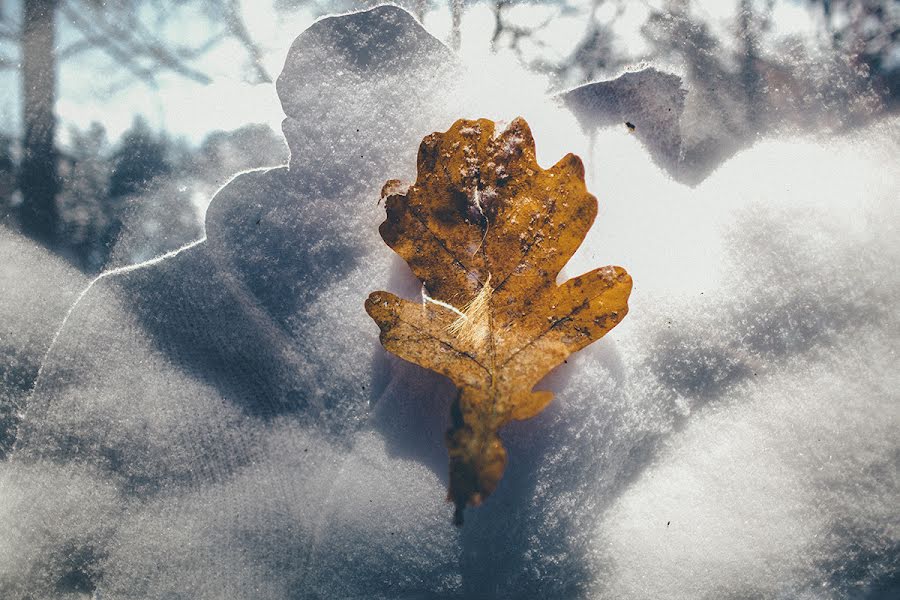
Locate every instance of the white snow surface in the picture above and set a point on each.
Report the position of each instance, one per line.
(36, 290)
(223, 423)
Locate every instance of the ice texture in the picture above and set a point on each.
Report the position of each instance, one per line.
(221, 422)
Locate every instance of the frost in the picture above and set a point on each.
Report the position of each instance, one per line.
(223, 423)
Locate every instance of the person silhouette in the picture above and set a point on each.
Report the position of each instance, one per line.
(227, 387)
(170, 376)
(268, 307)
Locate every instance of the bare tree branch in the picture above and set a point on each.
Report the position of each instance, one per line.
(76, 48)
(96, 42)
(8, 34)
(153, 49)
(10, 29)
(106, 43)
(456, 12)
(190, 53)
(238, 28)
(517, 33)
(124, 44)
(150, 44)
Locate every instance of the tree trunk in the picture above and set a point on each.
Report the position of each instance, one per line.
(38, 177)
(749, 73)
(456, 10)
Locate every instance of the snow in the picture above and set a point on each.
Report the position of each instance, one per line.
(37, 290)
(779, 478)
(223, 422)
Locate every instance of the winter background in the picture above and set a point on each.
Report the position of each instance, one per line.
(194, 404)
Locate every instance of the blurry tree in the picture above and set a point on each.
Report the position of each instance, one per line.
(145, 195)
(140, 158)
(509, 33)
(7, 178)
(84, 209)
(38, 176)
(125, 204)
(136, 34)
(594, 55)
(224, 153)
(153, 222)
(748, 37)
(869, 31)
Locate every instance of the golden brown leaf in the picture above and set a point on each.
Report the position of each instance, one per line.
(488, 231)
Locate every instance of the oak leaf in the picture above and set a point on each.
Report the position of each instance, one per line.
(487, 231)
